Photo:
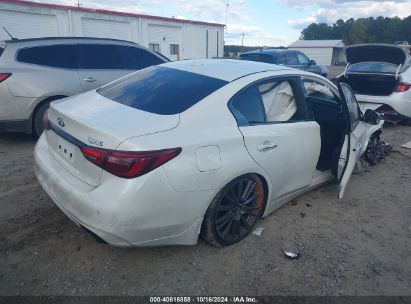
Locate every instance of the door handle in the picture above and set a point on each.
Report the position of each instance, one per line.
(267, 145)
(90, 79)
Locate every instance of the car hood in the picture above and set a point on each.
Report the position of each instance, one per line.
(376, 53)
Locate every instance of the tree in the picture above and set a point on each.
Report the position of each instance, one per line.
(362, 30)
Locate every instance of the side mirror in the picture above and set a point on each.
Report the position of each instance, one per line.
(371, 117)
(312, 62)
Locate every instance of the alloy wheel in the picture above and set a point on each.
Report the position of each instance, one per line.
(239, 207)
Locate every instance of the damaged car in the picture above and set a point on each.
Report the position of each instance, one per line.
(380, 76)
(197, 147)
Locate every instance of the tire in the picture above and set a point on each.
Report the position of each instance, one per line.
(38, 119)
(234, 211)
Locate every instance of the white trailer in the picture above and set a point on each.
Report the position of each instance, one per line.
(174, 38)
(324, 52)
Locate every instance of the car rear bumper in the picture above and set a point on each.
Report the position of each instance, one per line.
(144, 211)
(397, 102)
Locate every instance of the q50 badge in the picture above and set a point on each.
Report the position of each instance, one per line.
(95, 142)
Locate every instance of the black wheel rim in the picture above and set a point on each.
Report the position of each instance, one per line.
(238, 209)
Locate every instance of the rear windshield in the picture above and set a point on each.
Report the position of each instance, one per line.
(161, 90)
(373, 67)
(258, 58)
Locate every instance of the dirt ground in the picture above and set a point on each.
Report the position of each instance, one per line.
(360, 245)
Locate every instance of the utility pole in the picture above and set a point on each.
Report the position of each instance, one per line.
(227, 6)
(242, 44)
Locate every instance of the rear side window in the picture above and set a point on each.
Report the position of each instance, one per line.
(101, 57)
(137, 59)
(247, 107)
(161, 90)
(258, 57)
(58, 56)
(1, 51)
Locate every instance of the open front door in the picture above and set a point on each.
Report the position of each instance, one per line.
(356, 138)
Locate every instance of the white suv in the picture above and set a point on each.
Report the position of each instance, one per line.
(34, 72)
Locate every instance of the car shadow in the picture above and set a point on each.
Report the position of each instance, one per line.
(17, 137)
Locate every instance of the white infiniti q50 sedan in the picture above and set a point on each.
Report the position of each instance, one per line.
(197, 147)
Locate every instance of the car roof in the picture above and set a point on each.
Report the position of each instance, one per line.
(64, 39)
(224, 69)
(267, 51)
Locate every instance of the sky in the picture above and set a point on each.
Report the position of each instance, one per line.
(263, 22)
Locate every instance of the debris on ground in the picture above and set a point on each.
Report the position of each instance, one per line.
(407, 145)
(362, 165)
(258, 231)
(377, 150)
(292, 255)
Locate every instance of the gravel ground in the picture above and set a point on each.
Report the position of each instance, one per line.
(360, 245)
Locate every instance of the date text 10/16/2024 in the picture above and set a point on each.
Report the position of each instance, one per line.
(203, 299)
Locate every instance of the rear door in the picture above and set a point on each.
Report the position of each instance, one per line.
(100, 64)
(276, 133)
(356, 139)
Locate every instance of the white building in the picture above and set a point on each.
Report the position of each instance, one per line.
(325, 52)
(174, 38)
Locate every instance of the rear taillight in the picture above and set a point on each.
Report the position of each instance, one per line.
(128, 164)
(402, 87)
(46, 122)
(4, 76)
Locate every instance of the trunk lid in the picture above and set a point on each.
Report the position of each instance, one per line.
(93, 120)
(376, 53)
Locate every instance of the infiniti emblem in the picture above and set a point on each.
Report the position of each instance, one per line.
(61, 122)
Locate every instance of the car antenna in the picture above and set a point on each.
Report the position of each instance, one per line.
(12, 38)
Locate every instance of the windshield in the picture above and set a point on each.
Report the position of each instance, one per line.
(373, 67)
(161, 90)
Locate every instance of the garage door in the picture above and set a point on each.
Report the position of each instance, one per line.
(166, 39)
(27, 25)
(106, 28)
